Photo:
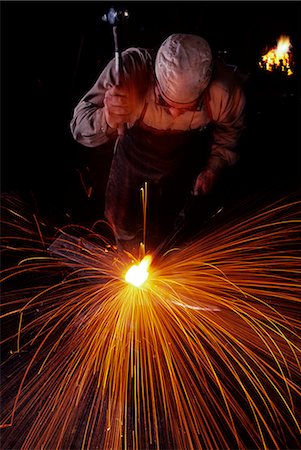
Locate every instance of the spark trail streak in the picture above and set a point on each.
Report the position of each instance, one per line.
(206, 354)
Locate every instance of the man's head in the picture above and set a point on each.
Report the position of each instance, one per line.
(183, 67)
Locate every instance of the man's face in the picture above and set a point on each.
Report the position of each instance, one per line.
(176, 109)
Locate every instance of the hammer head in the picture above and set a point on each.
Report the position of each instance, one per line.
(115, 16)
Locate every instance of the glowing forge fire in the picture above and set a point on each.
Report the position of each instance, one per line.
(278, 58)
(138, 273)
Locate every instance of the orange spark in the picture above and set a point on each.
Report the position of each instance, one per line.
(206, 355)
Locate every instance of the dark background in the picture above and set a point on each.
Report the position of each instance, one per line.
(52, 52)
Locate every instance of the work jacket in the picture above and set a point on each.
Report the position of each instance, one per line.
(154, 146)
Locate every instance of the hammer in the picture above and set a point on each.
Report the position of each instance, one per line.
(114, 17)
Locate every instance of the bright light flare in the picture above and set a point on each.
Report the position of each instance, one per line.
(278, 57)
(138, 273)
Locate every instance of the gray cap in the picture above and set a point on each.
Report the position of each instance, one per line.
(183, 67)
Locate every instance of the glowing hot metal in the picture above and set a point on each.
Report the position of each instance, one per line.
(138, 273)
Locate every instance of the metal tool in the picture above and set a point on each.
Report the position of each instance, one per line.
(114, 18)
(195, 206)
(196, 213)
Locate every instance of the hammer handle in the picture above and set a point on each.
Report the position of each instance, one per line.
(119, 72)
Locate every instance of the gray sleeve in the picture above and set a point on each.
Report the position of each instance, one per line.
(88, 124)
(228, 125)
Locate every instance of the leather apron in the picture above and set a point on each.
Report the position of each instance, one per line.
(169, 161)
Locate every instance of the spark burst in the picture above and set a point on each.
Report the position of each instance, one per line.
(204, 355)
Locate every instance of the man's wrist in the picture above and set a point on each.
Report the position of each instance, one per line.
(216, 165)
(104, 126)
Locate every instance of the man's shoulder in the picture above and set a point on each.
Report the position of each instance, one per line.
(138, 53)
(224, 79)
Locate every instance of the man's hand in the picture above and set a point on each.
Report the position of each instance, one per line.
(204, 182)
(118, 106)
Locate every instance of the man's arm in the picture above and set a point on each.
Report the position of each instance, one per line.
(228, 115)
(89, 123)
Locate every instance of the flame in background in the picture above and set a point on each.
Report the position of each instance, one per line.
(278, 57)
(205, 355)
